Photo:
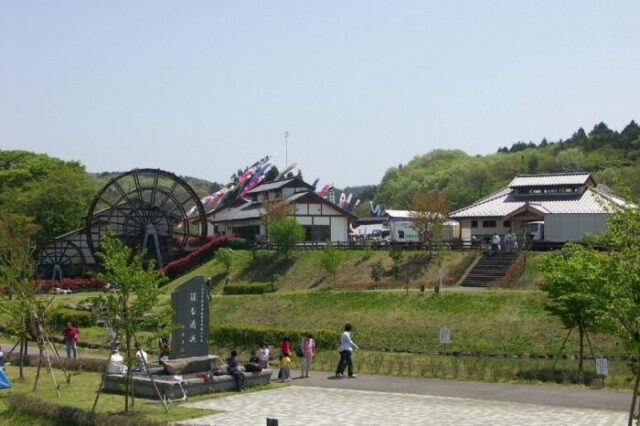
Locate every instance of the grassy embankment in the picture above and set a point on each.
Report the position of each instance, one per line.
(500, 329)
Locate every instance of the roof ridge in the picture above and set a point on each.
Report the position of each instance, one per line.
(553, 174)
(486, 199)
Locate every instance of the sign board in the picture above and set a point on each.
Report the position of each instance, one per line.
(445, 336)
(190, 306)
(602, 367)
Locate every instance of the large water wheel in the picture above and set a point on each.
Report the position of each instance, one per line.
(61, 259)
(148, 209)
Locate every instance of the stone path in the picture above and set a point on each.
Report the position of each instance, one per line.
(307, 405)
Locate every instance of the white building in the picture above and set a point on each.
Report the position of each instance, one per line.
(321, 219)
(570, 204)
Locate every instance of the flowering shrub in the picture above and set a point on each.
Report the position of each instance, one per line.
(73, 284)
(196, 257)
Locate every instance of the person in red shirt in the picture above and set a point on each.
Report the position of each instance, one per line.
(70, 334)
(285, 347)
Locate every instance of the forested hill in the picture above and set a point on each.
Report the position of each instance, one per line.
(202, 187)
(613, 157)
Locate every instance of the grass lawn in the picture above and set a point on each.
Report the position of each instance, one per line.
(81, 394)
(532, 275)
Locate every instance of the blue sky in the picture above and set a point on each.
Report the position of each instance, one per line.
(203, 88)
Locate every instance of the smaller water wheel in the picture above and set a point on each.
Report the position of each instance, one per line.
(61, 259)
(148, 209)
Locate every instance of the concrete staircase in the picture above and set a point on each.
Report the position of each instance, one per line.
(489, 268)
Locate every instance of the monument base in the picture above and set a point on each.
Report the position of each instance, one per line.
(177, 387)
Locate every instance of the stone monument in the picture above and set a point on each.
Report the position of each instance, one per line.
(190, 304)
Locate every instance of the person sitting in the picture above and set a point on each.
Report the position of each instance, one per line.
(265, 355)
(254, 364)
(233, 370)
(141, 358)
(116, 363)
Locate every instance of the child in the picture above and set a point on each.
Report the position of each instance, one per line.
(285, 346)
(285, 367)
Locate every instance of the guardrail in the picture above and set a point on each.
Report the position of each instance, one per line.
(413, 245)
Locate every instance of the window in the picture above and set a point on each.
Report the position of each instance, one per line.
(317, 232)
(506, 224)
(401, 235)
(474, 223)
(488, 223)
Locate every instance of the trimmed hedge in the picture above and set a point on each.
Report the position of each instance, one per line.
(82, 364)
(70, 415)
(248, 288)
(60, 317)
(252, 336)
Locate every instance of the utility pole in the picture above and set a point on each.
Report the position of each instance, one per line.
(286, 148)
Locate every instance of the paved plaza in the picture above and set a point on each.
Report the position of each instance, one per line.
(308, 405)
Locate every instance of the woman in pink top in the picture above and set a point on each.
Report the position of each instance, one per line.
(308, 347)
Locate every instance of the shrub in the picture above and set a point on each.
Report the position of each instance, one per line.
(248, 288)
(377, 270)
(245, 336)
(81, 364)
(60, 317)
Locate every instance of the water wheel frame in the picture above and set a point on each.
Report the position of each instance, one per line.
(145, 206)
(61, 253)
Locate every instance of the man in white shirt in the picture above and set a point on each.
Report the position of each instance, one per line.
(346, 348)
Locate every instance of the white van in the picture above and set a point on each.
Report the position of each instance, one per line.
(535, 230)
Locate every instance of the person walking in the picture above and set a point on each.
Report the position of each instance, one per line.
(495, 244)
(70, 334)
(346, 348)
(308, 347)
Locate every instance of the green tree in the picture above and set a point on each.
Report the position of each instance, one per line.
(377, 270)
(225, 256)
(285, 232)
(135, 295)
(367, 251)
(396, 253)
(622, 282)
(28, 315)
(330, 260)
(573, 279)
(55, 193)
